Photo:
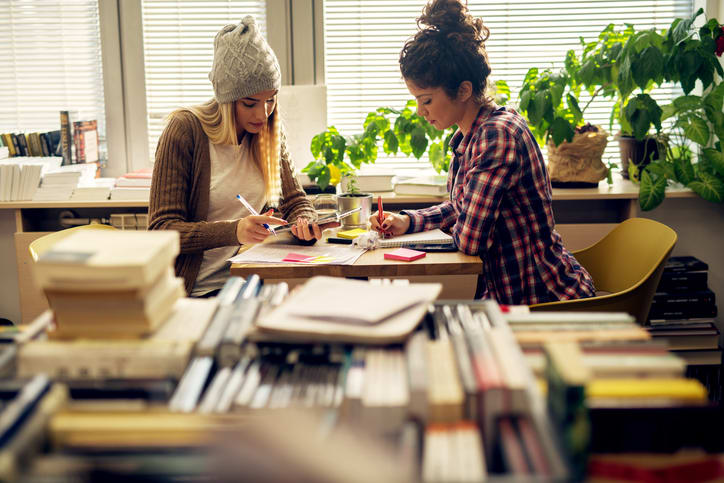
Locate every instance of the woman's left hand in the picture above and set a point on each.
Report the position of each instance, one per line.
(304, 230)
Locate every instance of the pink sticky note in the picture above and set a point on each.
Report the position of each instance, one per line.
(404, 254)
(297, 258)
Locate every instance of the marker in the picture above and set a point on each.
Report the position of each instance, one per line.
(253, 212)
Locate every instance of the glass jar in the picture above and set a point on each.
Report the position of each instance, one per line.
(325, 204)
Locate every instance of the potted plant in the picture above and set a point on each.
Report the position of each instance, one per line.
(337, 158)
(549, 101)
(681, 55)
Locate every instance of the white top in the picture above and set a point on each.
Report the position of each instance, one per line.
(232, 172)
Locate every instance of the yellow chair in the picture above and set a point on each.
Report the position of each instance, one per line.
(627, 265)
(40, 245)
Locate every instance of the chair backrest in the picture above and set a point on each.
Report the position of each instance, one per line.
(39, 245)
(628, 263)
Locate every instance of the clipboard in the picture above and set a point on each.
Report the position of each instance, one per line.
(336, 217)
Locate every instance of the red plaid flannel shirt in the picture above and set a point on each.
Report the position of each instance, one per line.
(500, 209)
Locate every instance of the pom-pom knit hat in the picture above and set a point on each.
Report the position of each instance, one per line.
(244, 64)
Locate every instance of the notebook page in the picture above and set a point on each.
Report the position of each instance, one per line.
(436, 236)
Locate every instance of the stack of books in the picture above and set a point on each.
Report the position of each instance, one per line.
(683, 315)
(135, 185)
(110, 284)
(422, 186)
(20, 177)
(97, 189)
(60, 183)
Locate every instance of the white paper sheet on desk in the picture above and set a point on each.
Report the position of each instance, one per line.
(276, 252)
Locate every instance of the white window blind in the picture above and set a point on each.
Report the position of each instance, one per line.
(363, 39)
(51, 60)
(178, 49)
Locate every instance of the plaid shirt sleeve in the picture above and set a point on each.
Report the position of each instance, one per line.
(491, 170)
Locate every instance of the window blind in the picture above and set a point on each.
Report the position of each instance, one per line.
(51, 60)
(178, 50)
(363, 39)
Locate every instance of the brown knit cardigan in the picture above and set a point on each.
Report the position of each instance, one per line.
(180, 194)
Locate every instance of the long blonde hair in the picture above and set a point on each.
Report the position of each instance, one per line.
(218, 122)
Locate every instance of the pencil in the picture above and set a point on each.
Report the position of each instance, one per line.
(380, 216)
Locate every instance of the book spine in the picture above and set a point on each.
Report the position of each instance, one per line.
(66, 137)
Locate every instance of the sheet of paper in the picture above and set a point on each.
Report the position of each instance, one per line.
(322, 253)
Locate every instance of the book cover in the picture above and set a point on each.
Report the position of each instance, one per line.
(85, 136)
(683, 281)
(98, 260)
(422, 185)
(66, 136)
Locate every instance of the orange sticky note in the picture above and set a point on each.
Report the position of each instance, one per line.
(404, 254)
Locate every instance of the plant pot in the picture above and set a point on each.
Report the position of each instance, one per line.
(640, 152)
(350, 201)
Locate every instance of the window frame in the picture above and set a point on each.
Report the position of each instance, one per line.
(297, 36)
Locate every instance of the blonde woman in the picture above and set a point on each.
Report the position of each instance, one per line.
(230, 145)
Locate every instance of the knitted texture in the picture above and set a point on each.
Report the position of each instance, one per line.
(244, 64)
(180, 194)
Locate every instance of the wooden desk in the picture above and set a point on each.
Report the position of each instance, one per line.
(371, 264)
(582, 217)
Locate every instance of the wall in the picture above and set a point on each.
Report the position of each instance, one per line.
(9, 295)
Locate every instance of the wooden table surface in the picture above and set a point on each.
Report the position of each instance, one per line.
(371, 264)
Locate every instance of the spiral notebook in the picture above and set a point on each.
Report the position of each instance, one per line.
(430, 237)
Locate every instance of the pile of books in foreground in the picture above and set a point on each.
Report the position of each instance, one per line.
(410, 390)
(103, 283)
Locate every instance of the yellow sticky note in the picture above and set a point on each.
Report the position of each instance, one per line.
(351, 234)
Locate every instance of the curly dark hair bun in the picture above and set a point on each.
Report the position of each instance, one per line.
(448, 49)
(452, 17)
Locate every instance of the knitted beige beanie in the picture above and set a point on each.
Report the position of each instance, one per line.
(244, 64)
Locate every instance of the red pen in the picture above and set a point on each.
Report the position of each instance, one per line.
(380, 216)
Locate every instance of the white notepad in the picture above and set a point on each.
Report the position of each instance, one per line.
(430, 237)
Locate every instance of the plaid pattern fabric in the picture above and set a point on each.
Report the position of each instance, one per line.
(500, 209)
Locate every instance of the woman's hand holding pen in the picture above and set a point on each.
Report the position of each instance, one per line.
(250, 229)
(392, 224)
(304, 230)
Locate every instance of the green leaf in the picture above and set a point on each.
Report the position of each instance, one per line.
(697, 130)
(651, 193)
(625, 80)
(683, 170)
(708, 187)
(715, 159)
(391, 143)
(323, 178)
(668, 111)
(525, 101)
(633, 172)
(573, 106)
(316, 145)
(680, 30)
(715, 98)
(649, 65)
(684, 103)
(418, 141)
(436, 156)
(536, 108)
(556, 94)
(561, 130)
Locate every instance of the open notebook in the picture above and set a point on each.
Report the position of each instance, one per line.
(430, 237)
(344, 310)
